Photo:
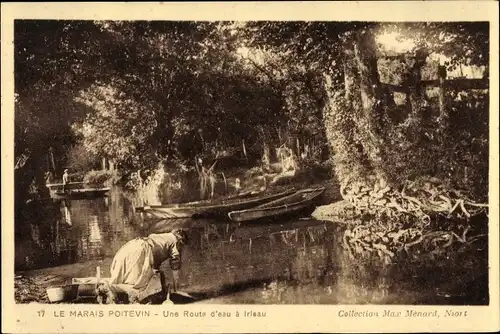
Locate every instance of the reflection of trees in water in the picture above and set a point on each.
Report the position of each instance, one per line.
(105, 227)
(310, 265)
(35, 231)
(65, 232)
(49, 236)
(98, 229)
(67, 215)
(296, 254)
(95, 237)
(307, 270)
(207, 236)
(311, 271)
(86, 232)
(309, 261)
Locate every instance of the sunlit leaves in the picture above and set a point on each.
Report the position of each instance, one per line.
(465, 43)
(118, 127)
(173, 90)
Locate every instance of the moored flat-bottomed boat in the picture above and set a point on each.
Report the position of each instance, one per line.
(291, 204)
(75, 190)
(80, 193)
(69, 185)
(204, 209)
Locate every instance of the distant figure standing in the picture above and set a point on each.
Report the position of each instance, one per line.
(49, 177)
(237, 185)
(65, 179)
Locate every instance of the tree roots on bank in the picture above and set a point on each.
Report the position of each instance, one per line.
(423, 220)
(420, 198)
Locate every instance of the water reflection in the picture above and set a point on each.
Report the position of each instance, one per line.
(299, 261)
(101, 226)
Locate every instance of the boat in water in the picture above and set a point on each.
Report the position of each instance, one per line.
(287, 205)
(74, 190)
(69, 185)
(212, 209)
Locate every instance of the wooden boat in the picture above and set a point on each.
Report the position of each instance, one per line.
(75, 190)
(206, 202)
(291, 204)
(242, 195)
(81, 193)
(210, 209)
(55, 189)
(69, 185)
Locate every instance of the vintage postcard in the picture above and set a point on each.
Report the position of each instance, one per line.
(250, 167)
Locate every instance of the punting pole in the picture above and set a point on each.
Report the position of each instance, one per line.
(98, 275)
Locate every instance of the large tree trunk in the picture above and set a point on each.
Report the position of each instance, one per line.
(349, 159)
(416, 94)
(356, 120)
(371, 110)
(369, 80)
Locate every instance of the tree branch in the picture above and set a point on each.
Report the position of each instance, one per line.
(269, 75)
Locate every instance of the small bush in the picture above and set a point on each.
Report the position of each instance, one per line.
(80, 159)
(100, 177)
(77, 177)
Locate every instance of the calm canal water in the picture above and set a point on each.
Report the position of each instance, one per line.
(293, 262)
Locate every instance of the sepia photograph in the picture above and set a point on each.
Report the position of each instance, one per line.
(269, 162)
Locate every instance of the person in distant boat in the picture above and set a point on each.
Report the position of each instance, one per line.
(136, 262)
(237, 185)
(49, 177)
(65, 179)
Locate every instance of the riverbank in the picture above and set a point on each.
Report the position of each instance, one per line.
(30, 285)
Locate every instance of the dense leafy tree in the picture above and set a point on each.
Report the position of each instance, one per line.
(175, 91)
(368, 133)
(143, 93)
